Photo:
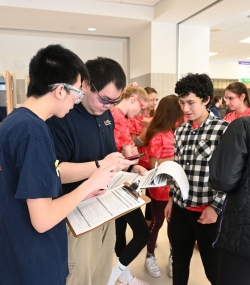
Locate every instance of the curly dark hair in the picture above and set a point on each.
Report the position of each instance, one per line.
(199, 84)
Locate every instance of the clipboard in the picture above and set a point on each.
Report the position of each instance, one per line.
(145, 198)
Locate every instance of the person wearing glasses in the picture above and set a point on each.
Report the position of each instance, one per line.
(195, 219)
(84, 140)
(134, 100)
(237, 101)
(33, 238)
(138, 127)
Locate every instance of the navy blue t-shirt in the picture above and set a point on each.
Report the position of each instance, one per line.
(27, 171)
(216, 111)
(82, 137)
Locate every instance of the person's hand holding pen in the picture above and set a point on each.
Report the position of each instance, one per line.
(117, 159)
(99, 179)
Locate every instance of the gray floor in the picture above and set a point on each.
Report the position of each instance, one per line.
(197, 275)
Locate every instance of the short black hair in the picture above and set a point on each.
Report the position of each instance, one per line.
(199, 84)
(54, 64)
(103, 71)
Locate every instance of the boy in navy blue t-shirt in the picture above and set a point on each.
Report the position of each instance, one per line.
(33, 239)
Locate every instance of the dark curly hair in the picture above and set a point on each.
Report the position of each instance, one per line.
(199, 84)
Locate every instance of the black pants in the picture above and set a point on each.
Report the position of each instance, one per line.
(233, 269)
(128, 252)
(185, 230)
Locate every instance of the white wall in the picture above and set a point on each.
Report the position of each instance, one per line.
(163, 42)
(17, 48)
(194, 49)
(140, 52)
(223, 69)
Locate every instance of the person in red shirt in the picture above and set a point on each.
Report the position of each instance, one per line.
(160, 141)
(138, 128)
(237, 100)
(134, 100)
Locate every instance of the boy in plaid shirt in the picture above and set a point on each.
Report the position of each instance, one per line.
(195, 219)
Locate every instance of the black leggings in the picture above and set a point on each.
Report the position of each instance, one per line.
(128, 252)
(148, 207)
(157, 221)
(233, 269)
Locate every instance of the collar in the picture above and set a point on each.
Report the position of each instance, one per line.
(207, 122)
(79, 107)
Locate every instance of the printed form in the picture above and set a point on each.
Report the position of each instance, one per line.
(97, 210)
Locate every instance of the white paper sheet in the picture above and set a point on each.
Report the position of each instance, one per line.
(100, 209)
(155, 178)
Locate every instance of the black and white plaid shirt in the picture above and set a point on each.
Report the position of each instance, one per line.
(193, 150)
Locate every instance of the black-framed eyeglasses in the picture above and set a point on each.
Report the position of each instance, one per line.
(104, 99)
(79, 94)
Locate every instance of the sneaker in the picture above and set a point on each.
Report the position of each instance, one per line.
(134, 281)
(152, 267)
(170, 266)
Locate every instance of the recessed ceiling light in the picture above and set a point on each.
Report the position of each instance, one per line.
(247, 40)
(212, 53)
(91, 29)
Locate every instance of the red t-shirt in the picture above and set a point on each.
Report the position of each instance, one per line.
(121, 131)
(161, 146)
(232, 116)
(135, 127)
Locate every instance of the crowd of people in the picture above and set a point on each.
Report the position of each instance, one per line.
(70, 137)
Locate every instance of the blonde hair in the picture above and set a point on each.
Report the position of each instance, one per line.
(134, 89)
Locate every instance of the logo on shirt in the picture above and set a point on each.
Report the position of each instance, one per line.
(0, 167)
(57, 167)
(107, 122)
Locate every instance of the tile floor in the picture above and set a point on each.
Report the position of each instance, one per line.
(196, 277)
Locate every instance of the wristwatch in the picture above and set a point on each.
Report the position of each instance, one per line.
(97, 163)
(131, 167)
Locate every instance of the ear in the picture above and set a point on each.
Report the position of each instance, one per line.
(242, 96)
(208, 100)
(132, 100)
(58, 92)
(85, 85)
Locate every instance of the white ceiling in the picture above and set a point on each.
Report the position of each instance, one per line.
(229, 20)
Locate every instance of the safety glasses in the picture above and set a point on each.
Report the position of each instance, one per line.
(139, 101)
(106, 100)
(79, 94)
